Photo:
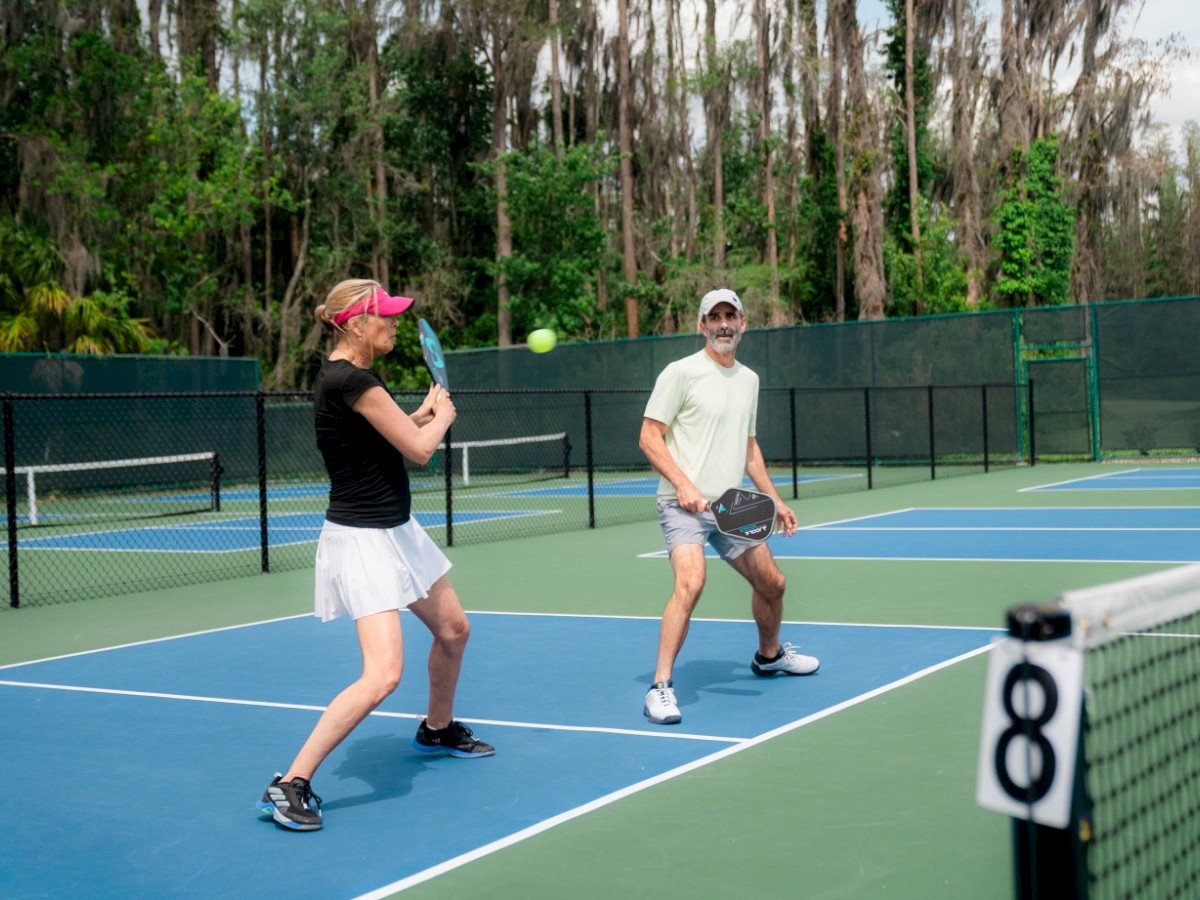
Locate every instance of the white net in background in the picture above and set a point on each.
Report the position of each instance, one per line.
(62, 493)
(1141, 738)
(531, 457)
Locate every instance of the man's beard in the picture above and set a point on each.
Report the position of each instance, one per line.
(728, 343)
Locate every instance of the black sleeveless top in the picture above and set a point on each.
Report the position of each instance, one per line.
(368, 483)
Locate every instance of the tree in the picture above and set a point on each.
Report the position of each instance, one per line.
(37, 314)
(625, 140)
(1035, 240)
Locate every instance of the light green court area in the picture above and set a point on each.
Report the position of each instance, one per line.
(873, 800)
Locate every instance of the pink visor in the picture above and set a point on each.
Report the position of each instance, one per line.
(380, 304)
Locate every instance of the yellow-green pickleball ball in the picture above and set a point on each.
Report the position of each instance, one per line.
(542, 340)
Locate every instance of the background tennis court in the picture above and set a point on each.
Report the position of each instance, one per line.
(139, 766)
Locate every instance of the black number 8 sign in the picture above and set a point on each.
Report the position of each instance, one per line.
(1031, 729)
(1030, 733)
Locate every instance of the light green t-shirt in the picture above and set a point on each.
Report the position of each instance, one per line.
(710, 412)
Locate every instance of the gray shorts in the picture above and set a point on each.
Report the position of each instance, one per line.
(682, 527)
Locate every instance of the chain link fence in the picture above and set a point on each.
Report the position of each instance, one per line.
(115, 493)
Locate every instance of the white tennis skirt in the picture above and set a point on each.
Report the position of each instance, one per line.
(363, 571)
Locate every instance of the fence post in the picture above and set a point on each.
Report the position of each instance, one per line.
(985, 429)
(10, 494)
(867, 423)
(260, 425)
(449, 489)
(591, 468)
(932, 447)
(1032, 429)
(795, 463)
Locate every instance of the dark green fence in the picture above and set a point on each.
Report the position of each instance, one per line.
(183, 486)
(1113, 379)
(114, 493)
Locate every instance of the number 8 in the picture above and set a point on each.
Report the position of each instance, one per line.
(1031, 729)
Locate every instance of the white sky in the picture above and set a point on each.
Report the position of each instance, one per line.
(1159, 19)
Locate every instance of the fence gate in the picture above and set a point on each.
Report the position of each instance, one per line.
(1062, 423)
(1057, 352)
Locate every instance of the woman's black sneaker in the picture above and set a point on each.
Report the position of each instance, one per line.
(455, 739)
(292, 804)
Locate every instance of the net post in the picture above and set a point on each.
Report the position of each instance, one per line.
(10, 497)
(215, 480)
(1049, 863)
(566, 455)
(31, 494)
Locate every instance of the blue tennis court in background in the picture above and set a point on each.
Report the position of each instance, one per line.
(1113, 534)
(163, 747)
(1128, 480)
(224, 535)
(644, 487)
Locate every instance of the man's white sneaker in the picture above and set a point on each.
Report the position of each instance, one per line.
(660, 707)
(789, 662)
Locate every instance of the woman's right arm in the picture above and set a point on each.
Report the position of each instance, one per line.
(416, 442)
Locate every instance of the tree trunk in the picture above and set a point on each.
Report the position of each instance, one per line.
(777, 315)
(870, 288)
(1014, 94)
(264, 137)
(966, 181)
(555, 83)
(910, 121)
(382, 251)
(716, 123)
(592, 41)
(499, 148)
(625, 143)
(835, 113)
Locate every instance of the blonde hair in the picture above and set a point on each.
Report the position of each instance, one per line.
(342, 296)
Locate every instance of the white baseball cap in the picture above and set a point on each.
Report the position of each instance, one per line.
(720, 295)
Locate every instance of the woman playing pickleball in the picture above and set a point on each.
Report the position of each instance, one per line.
(373, 558)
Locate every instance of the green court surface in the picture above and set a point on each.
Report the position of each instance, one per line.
(875, 799)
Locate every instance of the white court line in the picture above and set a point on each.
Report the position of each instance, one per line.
(159, 640)
(1041, 487)
(547, 824)
(230, 701)
(475, 612)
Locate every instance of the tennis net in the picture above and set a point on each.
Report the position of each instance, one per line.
(1134, 829)
(150, 486)
(531, 457)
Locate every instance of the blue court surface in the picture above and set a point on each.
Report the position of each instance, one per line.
(1115, 534)
(224, 535)
(139, 766)
(1129, 480)
(642, 487)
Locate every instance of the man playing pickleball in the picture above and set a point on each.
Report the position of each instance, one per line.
(698, 433)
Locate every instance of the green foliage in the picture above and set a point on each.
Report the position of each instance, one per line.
(817, 221)
(199, 189)
(1168, 259)
(943, 283)
(1035, 237)
(557, 239)
(37, 314)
